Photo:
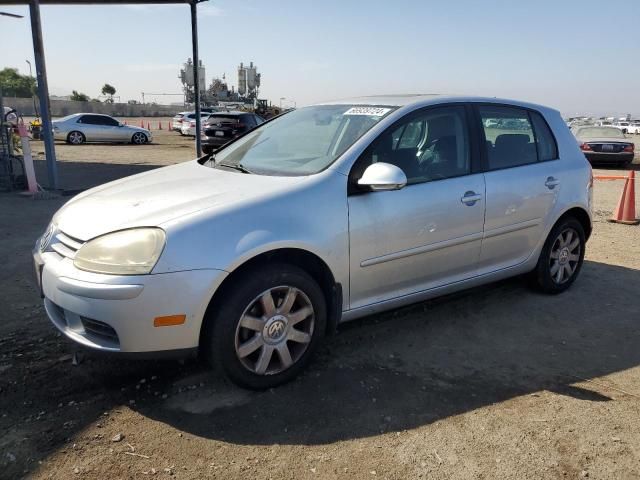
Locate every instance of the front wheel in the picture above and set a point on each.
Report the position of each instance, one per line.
(561, 257)
(139, 138)
(267, 327)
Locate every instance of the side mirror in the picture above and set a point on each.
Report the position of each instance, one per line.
(383, 176)
(121, 124)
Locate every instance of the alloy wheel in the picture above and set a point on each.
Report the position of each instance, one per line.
(76, 138)
(565, 256)
(275, 330)
(139, 138)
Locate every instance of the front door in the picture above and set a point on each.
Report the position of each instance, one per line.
(428, 233)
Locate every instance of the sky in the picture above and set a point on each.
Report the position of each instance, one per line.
(579, 56)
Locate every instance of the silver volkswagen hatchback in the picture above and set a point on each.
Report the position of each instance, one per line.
(319, 216)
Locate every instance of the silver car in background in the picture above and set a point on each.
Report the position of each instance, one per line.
(322, 215)
(80, 128)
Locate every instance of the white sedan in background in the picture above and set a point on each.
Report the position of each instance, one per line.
(80, 128)
(189, 123)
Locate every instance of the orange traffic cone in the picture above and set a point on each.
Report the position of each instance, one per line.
(148, 126)
(159, 125)
(141, 123)
(125, 122)
(625, 212)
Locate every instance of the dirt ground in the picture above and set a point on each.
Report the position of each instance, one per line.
(495, 382)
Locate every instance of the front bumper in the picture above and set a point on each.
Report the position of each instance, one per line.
(112, 313)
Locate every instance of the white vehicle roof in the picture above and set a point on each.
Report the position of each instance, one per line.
(426, 99)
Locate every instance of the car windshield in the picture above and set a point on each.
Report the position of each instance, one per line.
(303, 141)
(607, 132)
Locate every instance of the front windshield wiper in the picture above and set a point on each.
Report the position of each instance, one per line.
(238, 167)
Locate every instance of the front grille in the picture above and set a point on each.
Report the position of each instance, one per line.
(65, 245)
(99, 329)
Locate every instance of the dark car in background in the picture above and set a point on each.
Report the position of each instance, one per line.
(604, 145)
(221, 128)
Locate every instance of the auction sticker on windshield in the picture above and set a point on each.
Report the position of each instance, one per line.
(371, 111)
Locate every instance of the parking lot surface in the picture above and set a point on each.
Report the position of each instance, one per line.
(495, 382)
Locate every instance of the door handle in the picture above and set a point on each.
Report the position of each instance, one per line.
(551, 183)
(470, 198)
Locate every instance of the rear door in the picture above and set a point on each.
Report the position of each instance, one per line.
(523, 179)
(89, 126)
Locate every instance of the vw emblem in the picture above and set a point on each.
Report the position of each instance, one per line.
(46, 237)
(276, 329)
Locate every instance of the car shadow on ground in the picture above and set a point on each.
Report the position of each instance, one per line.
(429, 361)
(77, 176)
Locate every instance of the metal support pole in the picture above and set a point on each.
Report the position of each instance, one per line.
(196, 74)
(43, 93)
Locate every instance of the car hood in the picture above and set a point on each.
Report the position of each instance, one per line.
(158, 196)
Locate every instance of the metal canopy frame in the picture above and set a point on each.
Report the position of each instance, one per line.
(41, 68)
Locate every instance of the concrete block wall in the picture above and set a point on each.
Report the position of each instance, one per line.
(60, 108)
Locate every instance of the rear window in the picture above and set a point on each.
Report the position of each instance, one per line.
(606, 132)
(214, 119)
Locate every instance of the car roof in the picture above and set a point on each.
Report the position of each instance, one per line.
(90, 113)
(419, 99)
(234, 112)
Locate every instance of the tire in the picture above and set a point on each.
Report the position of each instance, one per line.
(76, 138)
(560, 263)
(245, 336)
(139, 138)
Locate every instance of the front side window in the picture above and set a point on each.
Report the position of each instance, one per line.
(302, 142)
(111, 122)
(430, 145)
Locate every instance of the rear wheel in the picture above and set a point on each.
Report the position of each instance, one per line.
(76, 138)
(561, 257)
(267, 328)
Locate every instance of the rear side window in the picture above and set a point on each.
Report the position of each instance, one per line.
(88, 120)
(510, 141)
(545, 141)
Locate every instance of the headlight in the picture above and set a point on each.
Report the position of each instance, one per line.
(127, 252)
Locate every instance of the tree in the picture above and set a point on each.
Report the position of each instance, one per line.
(108, 90)
(15, 85)
(79, 97)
